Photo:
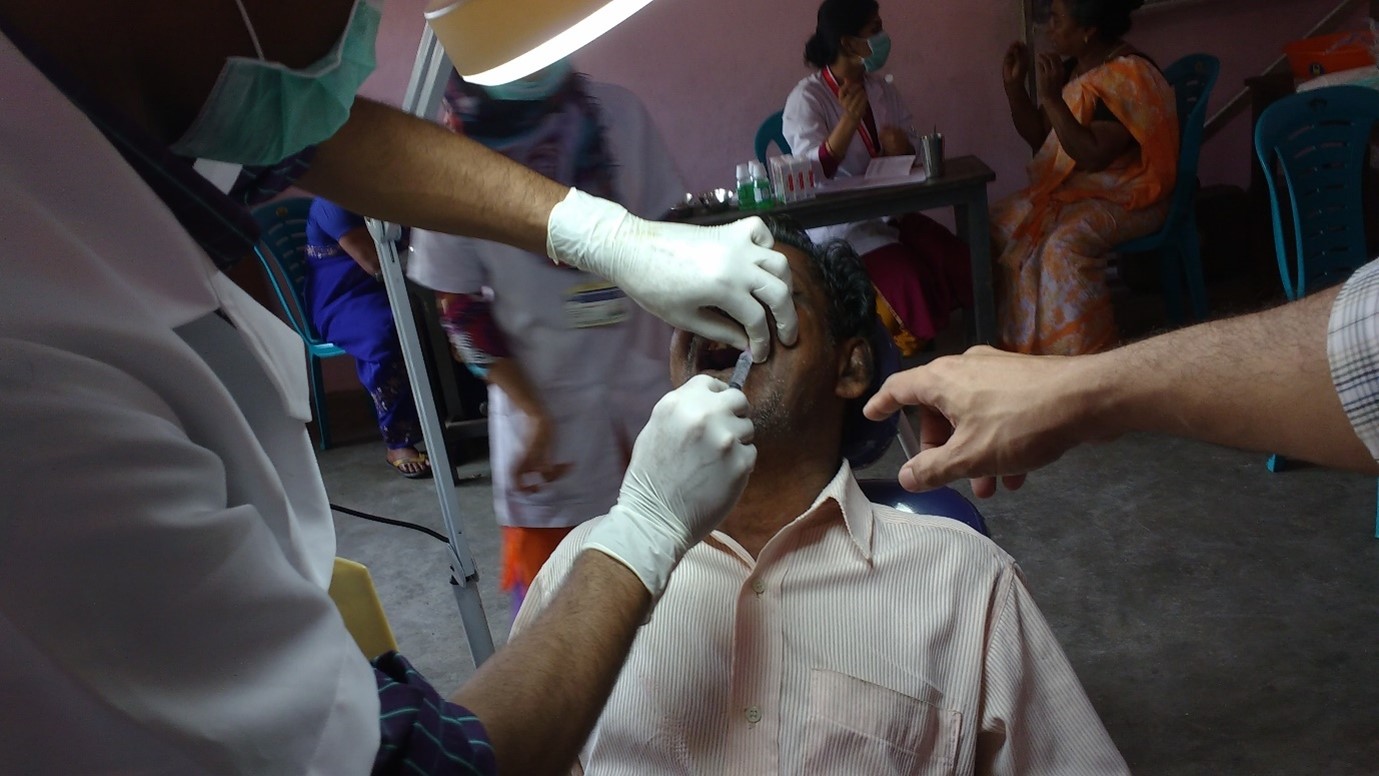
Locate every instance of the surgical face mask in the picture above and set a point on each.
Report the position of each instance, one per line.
(537, 86)
(262, 112)
(880, 49)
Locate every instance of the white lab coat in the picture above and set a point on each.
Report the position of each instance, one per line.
(165, 540)
(811, 113)
(599, 384)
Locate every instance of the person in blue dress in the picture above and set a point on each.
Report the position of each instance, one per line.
(348, 305)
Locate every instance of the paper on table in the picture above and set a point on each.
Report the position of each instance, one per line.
(883, 171)
(890, 166)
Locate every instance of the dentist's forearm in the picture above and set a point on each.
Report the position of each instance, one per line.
(389, 165)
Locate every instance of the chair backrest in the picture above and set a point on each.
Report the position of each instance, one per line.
(282, 251)
(352, 590)
(944, 502)
(1312, 148)
(1192, 79)
(770, 132)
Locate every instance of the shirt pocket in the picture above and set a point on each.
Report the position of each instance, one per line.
(855, 726)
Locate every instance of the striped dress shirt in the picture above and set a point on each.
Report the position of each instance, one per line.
(863, 640)
(1352, 345)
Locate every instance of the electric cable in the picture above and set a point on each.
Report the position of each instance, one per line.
(389, 521)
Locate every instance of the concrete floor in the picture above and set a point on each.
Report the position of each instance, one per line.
(1223, 619)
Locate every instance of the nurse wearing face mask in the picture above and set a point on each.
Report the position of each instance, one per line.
(844, 114)
(165, 538)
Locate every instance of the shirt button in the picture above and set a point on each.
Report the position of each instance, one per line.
(759, 586)
(753, 714)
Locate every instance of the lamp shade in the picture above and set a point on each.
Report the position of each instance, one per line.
(492, 42)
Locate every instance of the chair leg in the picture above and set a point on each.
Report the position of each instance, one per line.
(318, 402)
(1190, 252)
(1376, 521)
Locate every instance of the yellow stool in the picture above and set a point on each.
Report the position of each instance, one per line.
(352, 589)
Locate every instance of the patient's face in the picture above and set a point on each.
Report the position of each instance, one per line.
(785, 389)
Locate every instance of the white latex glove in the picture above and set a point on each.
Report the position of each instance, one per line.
(680, 272)
(688, 468)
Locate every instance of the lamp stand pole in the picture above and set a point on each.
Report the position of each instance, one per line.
(429, 75)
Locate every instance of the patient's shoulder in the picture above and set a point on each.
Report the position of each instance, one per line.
(552, 575)
(938, 533)
(563, 559)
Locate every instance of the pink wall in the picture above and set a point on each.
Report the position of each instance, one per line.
(710, 70)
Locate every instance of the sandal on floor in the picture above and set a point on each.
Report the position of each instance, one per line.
(420, 459)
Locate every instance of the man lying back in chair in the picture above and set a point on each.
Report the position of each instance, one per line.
(817, 632)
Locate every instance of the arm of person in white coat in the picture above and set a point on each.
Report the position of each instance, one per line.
(142, 576)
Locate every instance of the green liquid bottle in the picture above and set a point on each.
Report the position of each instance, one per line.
(762, 196)
(746, 188)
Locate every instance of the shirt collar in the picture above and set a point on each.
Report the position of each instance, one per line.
(842, 494)
(844, 491)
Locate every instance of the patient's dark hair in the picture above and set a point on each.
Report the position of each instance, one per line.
(851, 313)
(851, 296)
(1111, 18)
(837, 18)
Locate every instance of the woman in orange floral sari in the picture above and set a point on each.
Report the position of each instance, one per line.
(1105, 137)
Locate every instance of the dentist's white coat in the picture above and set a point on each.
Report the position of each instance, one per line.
(165, 540)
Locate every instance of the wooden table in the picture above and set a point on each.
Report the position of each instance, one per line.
(962, 187)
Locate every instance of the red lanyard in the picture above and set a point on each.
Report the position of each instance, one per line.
(866, 127)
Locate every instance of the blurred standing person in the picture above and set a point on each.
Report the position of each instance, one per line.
(573, 366)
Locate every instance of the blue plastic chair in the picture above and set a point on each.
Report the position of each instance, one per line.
(1192, 78)
(770, 132)
(1312, 147)
(944, 502)
(282, 251)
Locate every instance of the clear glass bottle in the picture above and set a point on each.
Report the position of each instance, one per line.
(761, 185)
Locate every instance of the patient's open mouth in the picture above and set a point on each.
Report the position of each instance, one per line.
(713, 356)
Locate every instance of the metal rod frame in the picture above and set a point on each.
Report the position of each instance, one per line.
(424, 90)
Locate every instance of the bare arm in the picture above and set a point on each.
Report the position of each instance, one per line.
(1028, 119)
(1258, 382)
(540, 695)
(386, 164)
(359, 244)
(841, 137)
(853, 96)
(534, 467)
(389, 165)
(1094, 146)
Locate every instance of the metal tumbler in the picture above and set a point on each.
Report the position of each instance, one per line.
(931, 152)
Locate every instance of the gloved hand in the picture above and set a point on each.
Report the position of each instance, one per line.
(688, 468)
(680, 272)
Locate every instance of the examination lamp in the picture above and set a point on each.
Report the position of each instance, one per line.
(492, 42)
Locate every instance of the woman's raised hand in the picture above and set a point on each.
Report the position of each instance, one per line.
(1048, 77)
(853, 96)
(1016, 64)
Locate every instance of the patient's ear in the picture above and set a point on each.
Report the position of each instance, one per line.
(855, 365)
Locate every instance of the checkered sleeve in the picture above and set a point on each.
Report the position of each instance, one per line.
(420, 731)
(1352, 345)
